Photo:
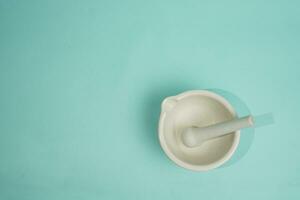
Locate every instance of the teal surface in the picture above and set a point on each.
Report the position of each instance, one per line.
(81, 84)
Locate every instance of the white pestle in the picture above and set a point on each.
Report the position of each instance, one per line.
(195, 136)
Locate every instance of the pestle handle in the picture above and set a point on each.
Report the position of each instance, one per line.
(194, 136)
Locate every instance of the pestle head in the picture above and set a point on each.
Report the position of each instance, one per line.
(188, 138)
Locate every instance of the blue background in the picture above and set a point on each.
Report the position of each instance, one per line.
(81, 84)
